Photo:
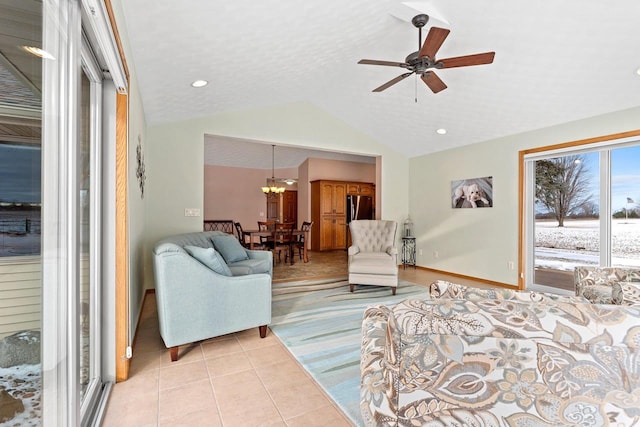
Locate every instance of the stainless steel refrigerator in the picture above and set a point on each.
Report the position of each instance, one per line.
(359, 207)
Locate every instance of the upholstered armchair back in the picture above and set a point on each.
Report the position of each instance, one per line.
(373, 235)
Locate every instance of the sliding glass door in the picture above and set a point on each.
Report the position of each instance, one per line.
(89, 227)
(73, 376)
(581, 210)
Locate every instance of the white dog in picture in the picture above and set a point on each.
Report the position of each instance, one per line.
(471, 193)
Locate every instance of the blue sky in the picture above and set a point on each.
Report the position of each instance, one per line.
(20, 172)
(625, 179)
(625, 176)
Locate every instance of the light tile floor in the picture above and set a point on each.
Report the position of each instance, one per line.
(234, 380)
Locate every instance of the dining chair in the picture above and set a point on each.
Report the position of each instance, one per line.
(284, 240)
(267, 242)
(300, 242)
(241, 237)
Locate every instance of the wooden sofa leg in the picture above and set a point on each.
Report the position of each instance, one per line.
(263, 331)
(173, 352)
(393, 290)
(351, 287)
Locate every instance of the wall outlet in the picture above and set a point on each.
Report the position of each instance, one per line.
(436, 254)
(191, 212)
(129, 353)
(511, 265)
(420, 252)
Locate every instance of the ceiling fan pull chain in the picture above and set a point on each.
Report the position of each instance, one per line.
(416, 87)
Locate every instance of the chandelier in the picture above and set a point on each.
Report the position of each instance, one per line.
(271, 187)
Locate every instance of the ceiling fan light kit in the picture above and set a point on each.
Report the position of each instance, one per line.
(423, 61)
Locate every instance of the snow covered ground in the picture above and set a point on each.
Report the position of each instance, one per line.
(23, 382)
(578, 242)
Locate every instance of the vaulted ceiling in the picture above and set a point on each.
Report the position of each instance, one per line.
(556, 61)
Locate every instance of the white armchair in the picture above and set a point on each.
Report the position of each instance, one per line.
(373, 254)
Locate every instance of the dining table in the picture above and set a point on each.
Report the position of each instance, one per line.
(255, 233)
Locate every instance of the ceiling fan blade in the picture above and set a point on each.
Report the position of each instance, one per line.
(392, 82)
(433, 81)
(432, 43)
(464, 61)
(388, 63)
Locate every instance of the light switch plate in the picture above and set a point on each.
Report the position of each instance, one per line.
(192, 212)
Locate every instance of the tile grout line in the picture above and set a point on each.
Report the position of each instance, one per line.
(255, 371)
(213, 390)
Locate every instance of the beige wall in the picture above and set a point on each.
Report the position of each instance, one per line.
(481, 242)
(175, 151)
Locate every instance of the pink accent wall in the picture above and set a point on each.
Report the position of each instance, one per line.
(339, 170)
(234, 193)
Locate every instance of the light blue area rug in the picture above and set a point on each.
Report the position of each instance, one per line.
(321, 328)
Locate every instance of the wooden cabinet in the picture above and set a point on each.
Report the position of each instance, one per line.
(333, 233)
(333, 198)
(329, 212)
(360, 188)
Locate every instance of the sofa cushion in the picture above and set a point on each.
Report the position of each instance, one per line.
(230, 248)
(604, 294)
(210, 258)
(250, 266)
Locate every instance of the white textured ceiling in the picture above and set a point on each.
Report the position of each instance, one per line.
(556, 61)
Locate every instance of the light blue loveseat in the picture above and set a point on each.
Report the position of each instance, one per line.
(196, 303)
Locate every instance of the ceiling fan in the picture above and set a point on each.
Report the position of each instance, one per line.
(423, 61)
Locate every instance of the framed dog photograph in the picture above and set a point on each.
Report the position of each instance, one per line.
(472, 193)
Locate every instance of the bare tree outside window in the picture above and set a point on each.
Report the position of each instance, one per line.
(562, 186)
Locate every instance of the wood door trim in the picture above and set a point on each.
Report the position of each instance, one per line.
(121, 215)
(122, 240)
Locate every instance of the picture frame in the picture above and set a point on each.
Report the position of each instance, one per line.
(472, 193)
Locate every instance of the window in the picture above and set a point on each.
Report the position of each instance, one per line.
(581, 210)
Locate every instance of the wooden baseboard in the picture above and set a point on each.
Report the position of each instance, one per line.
(462, 276)
(144, 301)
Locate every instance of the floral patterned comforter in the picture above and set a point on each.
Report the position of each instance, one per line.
(501, 362)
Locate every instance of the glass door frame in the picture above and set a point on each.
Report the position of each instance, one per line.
(60, 310)
(91, 69)
(527, 158)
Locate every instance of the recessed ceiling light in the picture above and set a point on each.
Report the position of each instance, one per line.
(638, 71)
(36, 51)
(199, 83)
(441, 131)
